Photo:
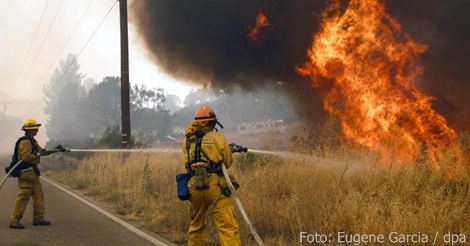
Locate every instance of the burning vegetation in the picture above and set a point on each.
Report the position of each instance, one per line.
(372, 66)
(360, 63)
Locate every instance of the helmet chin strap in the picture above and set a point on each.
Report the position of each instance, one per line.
(214, 123)
(218, 123)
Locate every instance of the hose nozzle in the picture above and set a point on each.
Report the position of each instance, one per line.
(237, 148)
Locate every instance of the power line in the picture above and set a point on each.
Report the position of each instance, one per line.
(42, 44)
(65, 45)
(76, 57)
(30, 46)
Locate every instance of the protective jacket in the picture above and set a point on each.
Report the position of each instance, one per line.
(26, 149)
(214, 147)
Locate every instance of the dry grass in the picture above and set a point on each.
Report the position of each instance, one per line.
(285, 197)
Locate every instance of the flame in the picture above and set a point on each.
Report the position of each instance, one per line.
(253, 32)
(372, 65)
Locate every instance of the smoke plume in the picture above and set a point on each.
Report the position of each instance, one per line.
(207, 42)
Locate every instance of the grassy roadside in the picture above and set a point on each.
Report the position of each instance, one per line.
(284, 197)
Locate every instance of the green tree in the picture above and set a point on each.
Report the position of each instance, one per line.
(103, 105)
(150, 120)
(111, 137)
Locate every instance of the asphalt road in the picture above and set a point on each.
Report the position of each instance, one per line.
(73, 221)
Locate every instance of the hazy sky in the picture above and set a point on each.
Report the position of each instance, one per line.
(23, 75)
(31, 50)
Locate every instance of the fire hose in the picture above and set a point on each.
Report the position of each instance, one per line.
(46, 152)
(235, 148)
(240, 206)
(11, 170)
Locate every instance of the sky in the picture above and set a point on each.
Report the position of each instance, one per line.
(52, 37)
(36, 34)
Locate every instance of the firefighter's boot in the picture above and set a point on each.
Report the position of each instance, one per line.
(16, 225)
(42, 223)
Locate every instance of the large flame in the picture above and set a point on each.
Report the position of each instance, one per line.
(373, 66)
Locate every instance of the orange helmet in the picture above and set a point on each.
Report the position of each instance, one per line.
(204, 114)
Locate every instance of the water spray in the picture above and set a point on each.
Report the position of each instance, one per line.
(161, 150)
(234, 148)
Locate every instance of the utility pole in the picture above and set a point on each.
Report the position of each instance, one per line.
(125, 108)
(5, 107)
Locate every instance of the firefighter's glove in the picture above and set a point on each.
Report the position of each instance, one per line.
(233, 147)
(45, 152)
(60, 148)
(237, 148)
(42, 151)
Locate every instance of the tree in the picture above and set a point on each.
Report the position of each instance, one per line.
(239, 106)
(143, 98)
(63, 96)
(111, 137)
(184, 116)
(150, 120)
(199, 96)
(103, 105)
(172, 103)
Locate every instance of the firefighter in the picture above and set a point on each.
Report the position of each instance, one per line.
(29, 184)
(203, 151)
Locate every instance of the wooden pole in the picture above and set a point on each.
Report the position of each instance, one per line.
(125, 108)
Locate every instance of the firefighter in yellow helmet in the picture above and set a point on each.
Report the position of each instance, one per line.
(203, 151)
(29, 184)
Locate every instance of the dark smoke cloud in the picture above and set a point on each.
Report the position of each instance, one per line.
(444, 26)
(204, 41)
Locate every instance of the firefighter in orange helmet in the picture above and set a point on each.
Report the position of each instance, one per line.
(203, 151)
(29, 184)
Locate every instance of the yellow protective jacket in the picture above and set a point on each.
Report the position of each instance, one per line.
(213, 145)
(28, 150)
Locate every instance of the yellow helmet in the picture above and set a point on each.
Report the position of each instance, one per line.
(30, 125)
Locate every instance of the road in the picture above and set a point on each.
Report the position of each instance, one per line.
(74, 222)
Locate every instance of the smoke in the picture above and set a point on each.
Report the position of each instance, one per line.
(206, 42)
(443, 25)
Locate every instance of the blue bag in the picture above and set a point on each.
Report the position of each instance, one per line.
(182, 185)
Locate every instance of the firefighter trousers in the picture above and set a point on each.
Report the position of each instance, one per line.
(221, 209)
(26, 190)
